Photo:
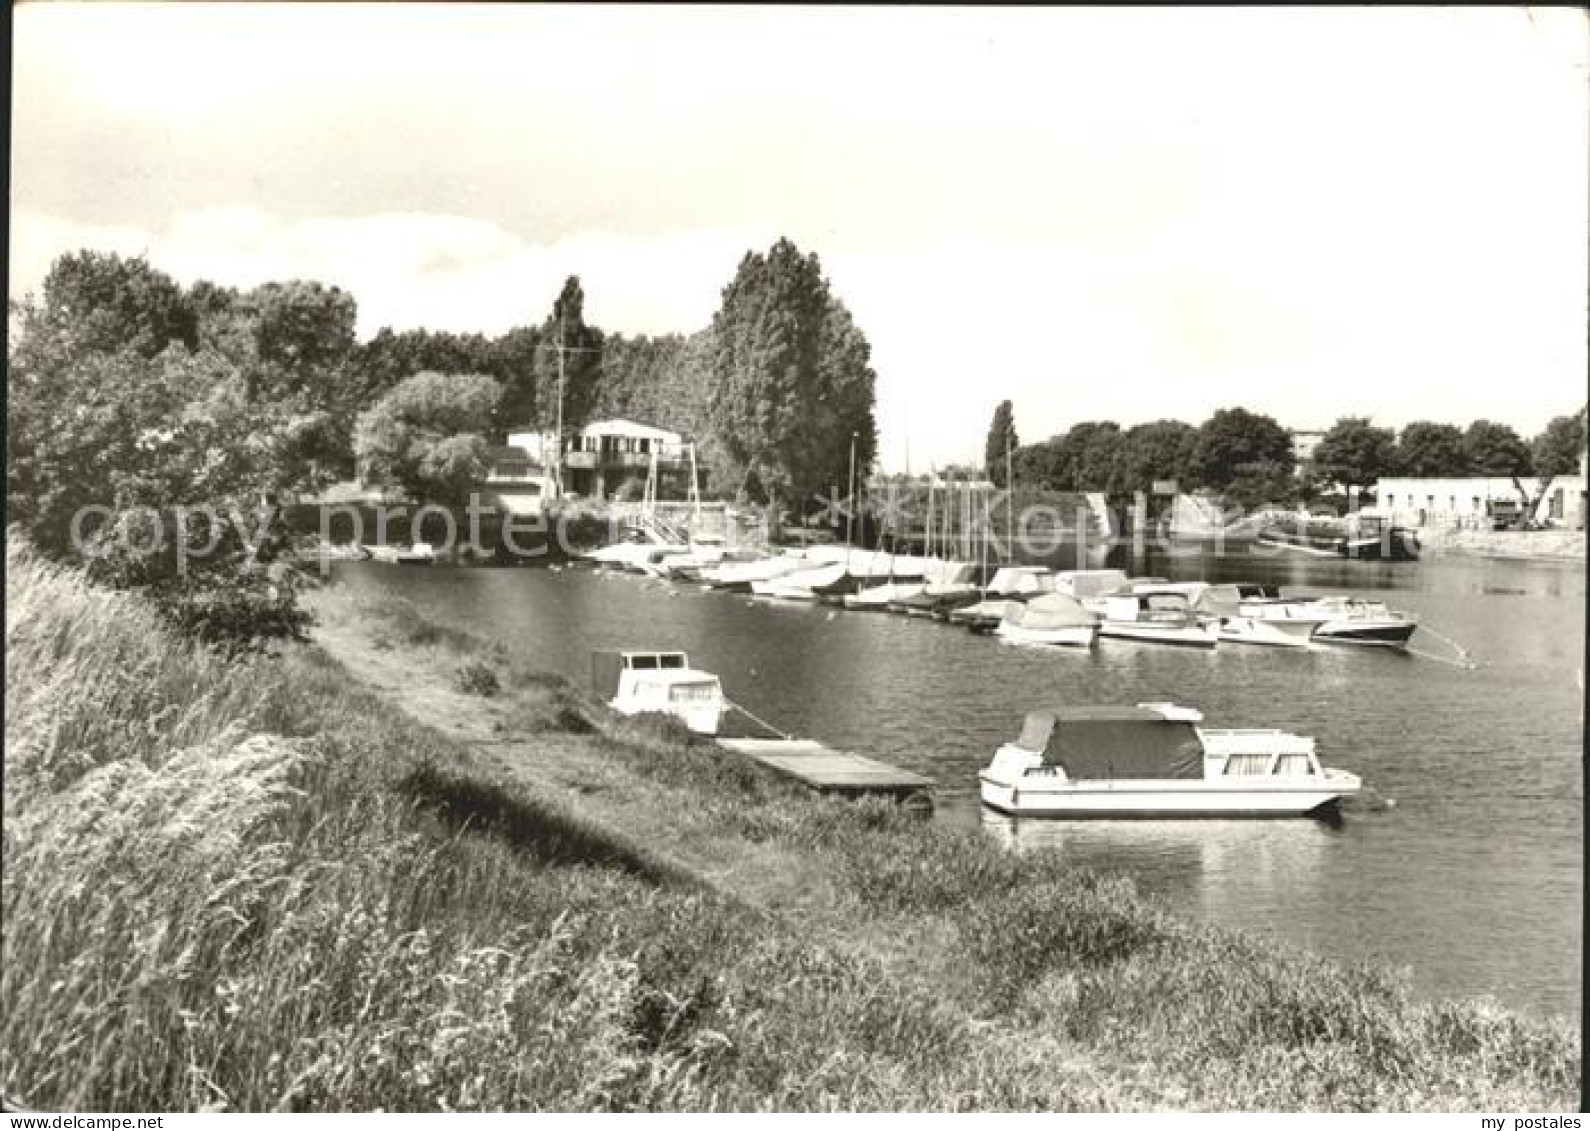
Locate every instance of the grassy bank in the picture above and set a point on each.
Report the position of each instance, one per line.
(262, 884)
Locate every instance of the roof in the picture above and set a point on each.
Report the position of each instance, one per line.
(1116, 742)
(619, 426)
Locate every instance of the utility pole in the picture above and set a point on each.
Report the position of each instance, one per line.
(850, 506)
(557, 465)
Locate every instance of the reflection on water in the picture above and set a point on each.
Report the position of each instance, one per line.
(1472, 879)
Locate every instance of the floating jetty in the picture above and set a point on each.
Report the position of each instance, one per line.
(833, 771)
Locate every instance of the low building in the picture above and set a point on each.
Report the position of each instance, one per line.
(605, 454)
(1472, 501)
(1304, 442)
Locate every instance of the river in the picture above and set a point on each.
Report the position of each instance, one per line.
(1471, 878)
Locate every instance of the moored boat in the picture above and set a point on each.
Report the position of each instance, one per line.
(1157, 615)
(640, 681)
(1153, 760)
(1010, 585)
(1050, 618)
(878, 598)
(1353, 620)
(1256, 614)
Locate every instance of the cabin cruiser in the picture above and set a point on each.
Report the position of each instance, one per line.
(1353, 620)
(420, 553)
(1153, 760)
(1158, 614)
(1257, 614)
(633, 682)
(1049, 618)
(1010, 586)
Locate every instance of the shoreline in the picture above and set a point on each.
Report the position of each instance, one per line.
(728, 939)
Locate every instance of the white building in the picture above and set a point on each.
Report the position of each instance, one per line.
(600, 457)
(1470, 501)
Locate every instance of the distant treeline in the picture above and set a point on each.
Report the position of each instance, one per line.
(1249, 459)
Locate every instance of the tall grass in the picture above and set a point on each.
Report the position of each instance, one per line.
(246, 885)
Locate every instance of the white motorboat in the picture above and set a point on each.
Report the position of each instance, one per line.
(1009, 586)
(740, 576)
(1156, 615)
(876, 598)
(1256, 614)
(1050, 618)
(634, 682)
(1084, 584)
(799, 584)
(1353, 620)
(1153, 760)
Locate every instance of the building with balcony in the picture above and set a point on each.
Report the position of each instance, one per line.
(604, 455)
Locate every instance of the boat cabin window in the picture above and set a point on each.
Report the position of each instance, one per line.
(671, 660)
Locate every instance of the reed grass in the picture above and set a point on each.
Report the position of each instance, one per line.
(248, 885)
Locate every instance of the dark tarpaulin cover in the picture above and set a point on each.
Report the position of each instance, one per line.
(1114, 742)
(605, 667)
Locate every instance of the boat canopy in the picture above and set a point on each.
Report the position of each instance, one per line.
(606, 666)
(1051, 610)
(1114, 742)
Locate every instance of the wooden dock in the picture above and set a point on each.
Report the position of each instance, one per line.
(832, 771)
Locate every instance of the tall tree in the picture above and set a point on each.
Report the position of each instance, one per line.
(1495, 449)
(1235, 444)
(1001, 441)
(1429, 450)
(112, 304)
(565, 333)
(1158, 451)
(791, 377)
(1355, 453)
(1560, 448)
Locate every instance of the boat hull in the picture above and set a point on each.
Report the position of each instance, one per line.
(1190, 636)
(1279, 633)
(1162, 799)
(703, 719)
(1072, 636)
(1374, 634)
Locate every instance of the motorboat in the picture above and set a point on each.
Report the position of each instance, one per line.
(1363, 535)
(1354, 620)
(878, 598)
(868, 570)
(1257, 614)
(954, 586)
(1049, 618)
(634, 682)
(1153, 760)
(1086, 584)
(798, 585)
(1157, 615)
(739, 576)
(1010, 585)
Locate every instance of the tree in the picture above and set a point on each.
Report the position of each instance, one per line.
(1354, 453)
(1085, 458)
(1001, 440)
(1560, 448)
(110, 305)
(1495, 449)
(1240, 453)
(1428, 450)
(427, 436)
(1158, 451)
(791, 378)
(580, 345)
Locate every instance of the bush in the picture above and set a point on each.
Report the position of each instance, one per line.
(475, 678)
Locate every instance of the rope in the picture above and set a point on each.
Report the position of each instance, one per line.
(759, 721)
(1461, 661)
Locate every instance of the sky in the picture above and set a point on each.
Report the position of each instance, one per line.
(1097, 214)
